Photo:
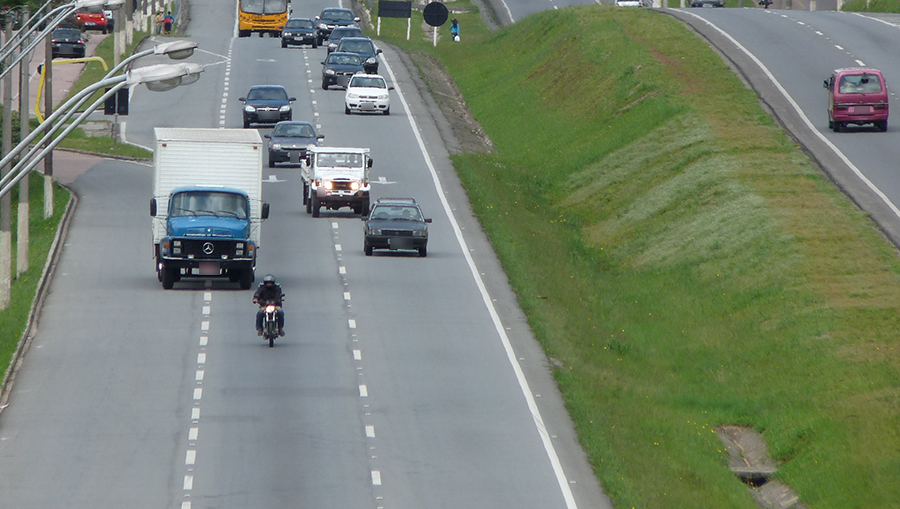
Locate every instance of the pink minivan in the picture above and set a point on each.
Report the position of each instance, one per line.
(857, 95)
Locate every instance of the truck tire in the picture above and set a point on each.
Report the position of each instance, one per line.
(246, 279)
(305, 193)
(365, 208)
(309, 204)
(316, 205)
(168, 277)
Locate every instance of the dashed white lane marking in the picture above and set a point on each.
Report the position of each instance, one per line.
(376, 478)
(357, 355)
(195, 414)
(342, 270)
(198, 394)
(352, 323)
(860, 63)
(199, 376)
(204, 326)
(191, 457)
(205, 311)
(346, 295)
(188, 482)
(838, 47)
(370, 431)
(201, 358)
(185, 505)
(334, 225)
(337, 247)
(363, 391)
(193, 434)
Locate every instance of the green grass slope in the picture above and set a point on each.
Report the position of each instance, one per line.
(682, 259)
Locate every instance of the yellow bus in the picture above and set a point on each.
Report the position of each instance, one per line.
(262, 16)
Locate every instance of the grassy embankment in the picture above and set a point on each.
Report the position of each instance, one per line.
(682, 258)
(873, 6)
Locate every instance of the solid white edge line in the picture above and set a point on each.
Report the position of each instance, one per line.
(805, 119)
(498, 325)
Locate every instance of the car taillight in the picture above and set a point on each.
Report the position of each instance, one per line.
(880, 106)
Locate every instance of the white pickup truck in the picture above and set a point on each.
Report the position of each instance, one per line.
(335, 177)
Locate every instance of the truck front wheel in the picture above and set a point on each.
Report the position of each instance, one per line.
(246, 279)
(168, 277)
(316, 205)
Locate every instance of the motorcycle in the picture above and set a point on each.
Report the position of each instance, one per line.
(270, 323)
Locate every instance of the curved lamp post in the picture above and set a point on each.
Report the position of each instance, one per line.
(62, 12)
(158, 77)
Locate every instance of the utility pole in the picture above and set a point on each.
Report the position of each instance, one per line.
(22, 230)
(129, 22)
(48, 109)
(5, 202)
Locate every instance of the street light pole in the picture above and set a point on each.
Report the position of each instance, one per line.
(22, 230)
(48, 109)
(5, 204)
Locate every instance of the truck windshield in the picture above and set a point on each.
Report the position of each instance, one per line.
(339, 160)
(264, 6)
(208, 203)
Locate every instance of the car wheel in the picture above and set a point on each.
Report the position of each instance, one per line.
(882, 126)
(324, 85)
(387, 111)
(314, 45)
(367, 248)
(104, 31)
(831, 124)
(319, 41)
(284, 44)
(271, 161)
(423, 252)
(837, 126)
(346, 110)
(243, 33)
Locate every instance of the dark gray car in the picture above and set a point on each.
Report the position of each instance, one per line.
(299, 31)
(396, 223)
(339, 33)
(266, 104)
(338, 67)
(289, 140)
(365, 48)
(331, 18)
(67, 42)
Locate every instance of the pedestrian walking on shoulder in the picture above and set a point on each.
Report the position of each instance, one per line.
(160, 19)
(454, 29)
(167, 22)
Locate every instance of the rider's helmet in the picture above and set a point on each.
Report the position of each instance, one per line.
(269, 280)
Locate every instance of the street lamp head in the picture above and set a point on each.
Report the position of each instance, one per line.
(162, 77)
(176, 50)
(81, 4)
(193, 73)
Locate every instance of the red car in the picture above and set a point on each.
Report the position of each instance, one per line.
(92, 20)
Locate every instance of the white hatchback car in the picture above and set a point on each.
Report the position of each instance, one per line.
(367, 92)
(629, 3)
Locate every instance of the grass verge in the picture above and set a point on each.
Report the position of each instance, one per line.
(41, 233)
(682, 259)
(872, 6)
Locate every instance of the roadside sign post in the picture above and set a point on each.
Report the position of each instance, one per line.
(436, 14)
(395, 9)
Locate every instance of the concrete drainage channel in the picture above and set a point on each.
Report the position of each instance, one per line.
(749, 460)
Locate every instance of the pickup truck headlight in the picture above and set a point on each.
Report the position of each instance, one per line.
(354, 186)
(371, 60)
(249, 109)
(328, 184)
(276, 146)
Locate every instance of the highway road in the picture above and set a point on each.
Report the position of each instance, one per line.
(402, 381)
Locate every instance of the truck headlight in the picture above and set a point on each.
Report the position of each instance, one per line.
(354, 186)
(328, 184)
(249, 109)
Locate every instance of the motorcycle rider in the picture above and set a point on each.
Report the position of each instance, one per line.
(269, 293)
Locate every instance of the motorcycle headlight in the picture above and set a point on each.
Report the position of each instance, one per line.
(270, 308)
(276, 146)
(286, 107)
(371, 60)
(249, 109)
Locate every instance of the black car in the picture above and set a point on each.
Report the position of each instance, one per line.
(331, 18)
(396, 223)
(338, 67)
(707, 3)
(266, 104)
(289, 140)
(365, 48)
(340, 32)
(299, 31)
(67, 42)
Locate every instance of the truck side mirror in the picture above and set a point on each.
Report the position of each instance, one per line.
(265, 210)
(369, 164)
(152, 207)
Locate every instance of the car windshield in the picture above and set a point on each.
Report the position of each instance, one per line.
(337, 16)
(343, 59)
(345, 32)
(356, 46)
(364, 82)
(389, 212)
(66, 33)
(340, 160)
(267, 94)
(860, 84)
(299, 23)
(294, 130)
(208, 203)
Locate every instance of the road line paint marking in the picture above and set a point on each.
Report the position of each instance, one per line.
(191, 457)
(185, 505)
(352, 323)
(819, 33)
(204, 325)
(357, 355)
(363, 391)
(199, 376)
(207, 296)
(370, 431)
(376, 478)
(193, 434)
(838, 47)
(188, 482)
(204, 340)
(342, 270)
(334, 225)
(346, 295)
(205, 310)
(198, 393)
(201, 358)
(337, 247)
(195, 414)
(861, 63)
